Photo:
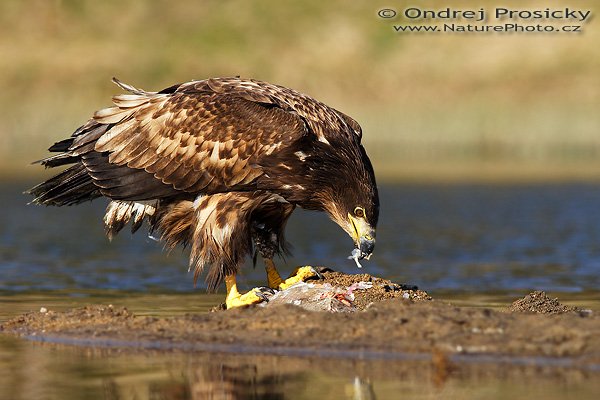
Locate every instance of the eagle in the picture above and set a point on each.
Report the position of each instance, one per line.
(219, 165)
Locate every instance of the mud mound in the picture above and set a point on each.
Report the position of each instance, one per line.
(538, 302)
(382, 289)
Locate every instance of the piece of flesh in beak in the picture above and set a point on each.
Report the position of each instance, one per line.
(354, 256)
(364, 238)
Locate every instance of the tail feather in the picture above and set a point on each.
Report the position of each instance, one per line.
(63, 145)
(88, 172)
(63, 158)
(71, 186)
(57, 160)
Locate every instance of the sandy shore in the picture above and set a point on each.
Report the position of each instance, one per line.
(390, 320)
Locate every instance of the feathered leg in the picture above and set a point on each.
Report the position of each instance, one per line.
(273, 277)
(268, 241)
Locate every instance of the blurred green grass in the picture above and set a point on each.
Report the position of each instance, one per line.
(443, 106)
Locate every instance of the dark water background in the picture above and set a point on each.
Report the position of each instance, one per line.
(459, 238)
(484, 245)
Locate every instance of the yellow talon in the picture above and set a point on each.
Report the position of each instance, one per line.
(301, 274)
(241, 300)
(235, 298)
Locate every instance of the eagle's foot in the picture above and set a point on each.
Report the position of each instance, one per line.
(301, 274)
(236, 299)
(254, 296)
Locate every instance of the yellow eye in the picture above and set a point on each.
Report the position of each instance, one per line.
(359, 212)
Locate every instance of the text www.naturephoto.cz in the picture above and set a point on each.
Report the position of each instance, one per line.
(473, 28)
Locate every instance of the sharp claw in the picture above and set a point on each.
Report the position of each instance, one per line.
(264, 293)
(317, 273)
(262, 296)
(266, 289)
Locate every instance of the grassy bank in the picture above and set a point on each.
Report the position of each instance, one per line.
(444, 105)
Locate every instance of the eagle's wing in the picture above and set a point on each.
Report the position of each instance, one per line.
(191, 139)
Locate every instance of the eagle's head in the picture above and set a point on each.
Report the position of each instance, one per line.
(357, 212)
(343, 185)
(353, 203)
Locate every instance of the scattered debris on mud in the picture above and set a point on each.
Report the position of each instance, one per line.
(381, 289)
(396, 319)
(339, 292)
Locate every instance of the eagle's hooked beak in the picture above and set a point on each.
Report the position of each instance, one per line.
(364, 237)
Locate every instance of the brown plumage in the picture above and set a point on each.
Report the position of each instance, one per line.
(219, 165)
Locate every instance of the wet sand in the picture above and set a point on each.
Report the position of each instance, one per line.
(390, 321)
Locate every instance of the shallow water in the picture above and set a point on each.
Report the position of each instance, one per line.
(52, 371)
(472, 245)
(464, 238)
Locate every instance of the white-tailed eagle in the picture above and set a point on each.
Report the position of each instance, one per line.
(219, 165)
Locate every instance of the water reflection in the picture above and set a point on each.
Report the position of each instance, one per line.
(37, 370)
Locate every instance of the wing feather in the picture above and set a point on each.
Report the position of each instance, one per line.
(119, 136)
(205, 136)
(84, 143)
(145, 154)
